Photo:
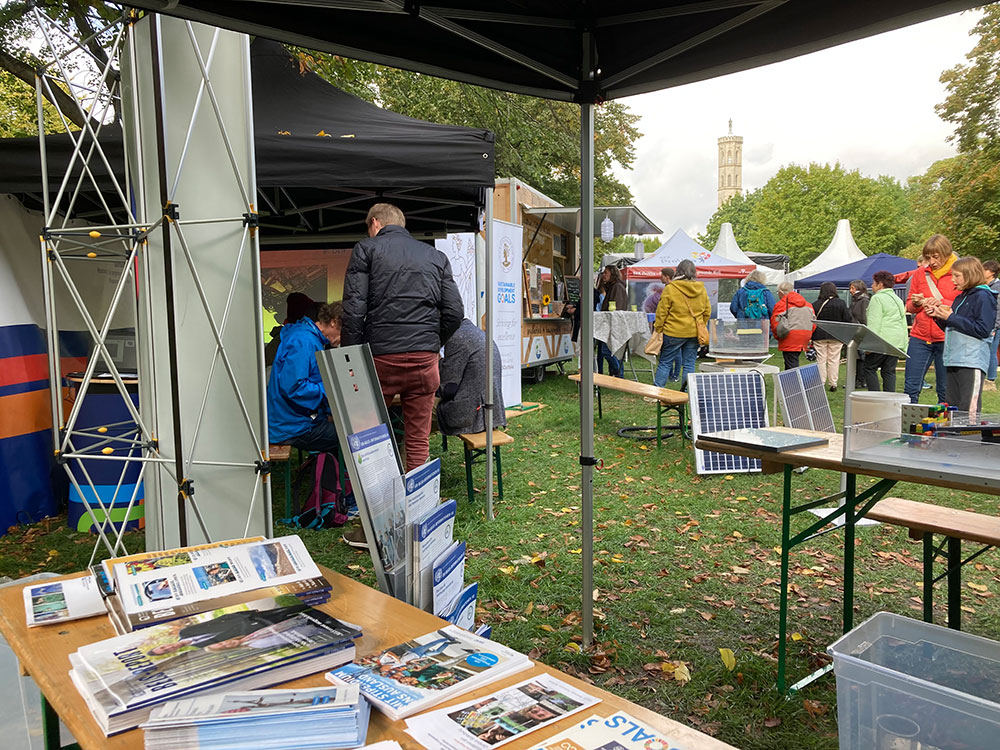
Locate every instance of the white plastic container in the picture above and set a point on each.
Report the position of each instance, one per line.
(877, 406)
(736, 339)
(903, 683)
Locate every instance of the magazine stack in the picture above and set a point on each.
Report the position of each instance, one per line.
(242, 647)
(146, 589)
(428, 670)
(325, 718)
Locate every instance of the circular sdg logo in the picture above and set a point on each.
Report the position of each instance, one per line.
(481, 659)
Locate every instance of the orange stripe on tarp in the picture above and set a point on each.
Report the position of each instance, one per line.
(25, 369)
(24, 413)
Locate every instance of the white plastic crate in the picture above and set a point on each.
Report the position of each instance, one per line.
(743, 338)
(910, 685)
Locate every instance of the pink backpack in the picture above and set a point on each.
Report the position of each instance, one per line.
(326, 505)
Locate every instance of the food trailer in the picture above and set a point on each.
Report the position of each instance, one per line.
(551, 266)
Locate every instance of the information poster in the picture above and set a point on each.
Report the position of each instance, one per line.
(506, 292)
(461, 252)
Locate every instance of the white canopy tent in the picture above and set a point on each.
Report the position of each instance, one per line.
(841, 251)
(727, 247)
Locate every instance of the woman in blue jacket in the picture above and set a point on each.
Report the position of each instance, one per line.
(968, 325)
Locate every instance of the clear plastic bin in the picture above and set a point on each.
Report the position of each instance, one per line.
(742, 338)
(963, 458)
(903, 684)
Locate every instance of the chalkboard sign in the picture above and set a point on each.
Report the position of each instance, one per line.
(573, 289)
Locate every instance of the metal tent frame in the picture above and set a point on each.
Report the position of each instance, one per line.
(120, 237)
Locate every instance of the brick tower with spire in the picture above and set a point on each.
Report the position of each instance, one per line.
(730, 165)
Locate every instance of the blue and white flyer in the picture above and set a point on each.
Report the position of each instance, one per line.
(449, 578)
(374, 456)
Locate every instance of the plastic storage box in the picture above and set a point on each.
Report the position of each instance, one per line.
(739, 339)
(903, 684)
(966, 459)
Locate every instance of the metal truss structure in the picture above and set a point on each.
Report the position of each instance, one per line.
(135, 229)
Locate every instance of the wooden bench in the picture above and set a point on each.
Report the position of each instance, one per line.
(666, 400)
(924, 520)
(475, 447)
(278, 454)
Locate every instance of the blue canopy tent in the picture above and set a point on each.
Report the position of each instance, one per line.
(862, 269)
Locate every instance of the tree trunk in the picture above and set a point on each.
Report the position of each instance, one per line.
(66, 103)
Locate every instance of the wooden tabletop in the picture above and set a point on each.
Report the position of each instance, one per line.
(44, 653)
(831, 456)
(663, 395)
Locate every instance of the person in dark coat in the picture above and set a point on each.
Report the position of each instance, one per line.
(401, 299)
(828, 306)
(615, 298)
(463, 377)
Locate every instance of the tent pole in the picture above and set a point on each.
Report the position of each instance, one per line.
(587, 460)
(488, 393)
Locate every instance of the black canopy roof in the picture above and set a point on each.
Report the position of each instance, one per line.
(582, 50)
(323, 157)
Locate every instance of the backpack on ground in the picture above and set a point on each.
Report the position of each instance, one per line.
(326, 506)
(756, 304)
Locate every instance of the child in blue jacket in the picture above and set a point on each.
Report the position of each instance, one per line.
(968, 327)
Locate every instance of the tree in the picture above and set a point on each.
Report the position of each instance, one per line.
(537, 140)
(973, 101)
(738, 211)
(960, 196)
(797, 211)
(22, 52)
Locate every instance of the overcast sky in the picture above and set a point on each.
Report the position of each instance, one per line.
(868, 104)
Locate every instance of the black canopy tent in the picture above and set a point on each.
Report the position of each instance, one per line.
(578, 50)
(323, 157)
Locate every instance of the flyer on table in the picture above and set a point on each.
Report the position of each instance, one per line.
(46, 603)
(494, 720)
(620, 731)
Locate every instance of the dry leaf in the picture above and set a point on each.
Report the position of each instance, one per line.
(681, 673)
(728, 658)
(772, 722)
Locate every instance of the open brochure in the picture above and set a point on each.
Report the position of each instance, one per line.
(212, 574)
(494, 720)
(620, 731)
(429, 670)
(178, 658)
(167, 558)
(59, 601)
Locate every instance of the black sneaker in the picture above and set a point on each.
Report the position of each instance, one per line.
(356, 538)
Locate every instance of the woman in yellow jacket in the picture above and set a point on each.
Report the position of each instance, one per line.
(684, 300)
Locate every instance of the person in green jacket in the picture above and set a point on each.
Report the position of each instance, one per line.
(887, 318)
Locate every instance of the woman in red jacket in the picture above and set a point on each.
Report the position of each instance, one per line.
(792, 323)
(926, 345)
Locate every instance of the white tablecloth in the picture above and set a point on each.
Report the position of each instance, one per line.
(618, 328)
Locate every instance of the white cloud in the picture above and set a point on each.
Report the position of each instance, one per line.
(868, 104)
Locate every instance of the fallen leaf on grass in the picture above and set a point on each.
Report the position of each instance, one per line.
(728, 658)
(772, 722)
(508, 570)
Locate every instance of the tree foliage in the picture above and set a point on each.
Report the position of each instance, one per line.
(797, 211)
(537, 140)
(973, 101)
(960, 196)
(23, 50)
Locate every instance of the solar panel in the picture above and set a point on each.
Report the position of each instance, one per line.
(725, 401)
(803, 399)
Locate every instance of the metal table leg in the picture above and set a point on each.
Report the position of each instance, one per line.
(929, 556)
(954, 583)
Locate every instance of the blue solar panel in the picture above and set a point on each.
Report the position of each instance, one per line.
(725, 401)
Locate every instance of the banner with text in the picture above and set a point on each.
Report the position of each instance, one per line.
(506, 292)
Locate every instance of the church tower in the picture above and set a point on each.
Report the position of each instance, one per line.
(730, 165)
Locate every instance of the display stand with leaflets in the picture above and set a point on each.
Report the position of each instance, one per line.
(362, 421)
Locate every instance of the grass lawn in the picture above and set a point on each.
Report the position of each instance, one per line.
(685, 566)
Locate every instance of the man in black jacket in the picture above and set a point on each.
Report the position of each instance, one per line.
(400, 298)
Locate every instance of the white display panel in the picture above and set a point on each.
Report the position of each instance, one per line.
(507, 239)
(208, 144)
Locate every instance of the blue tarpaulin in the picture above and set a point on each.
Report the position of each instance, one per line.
(863, 269)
